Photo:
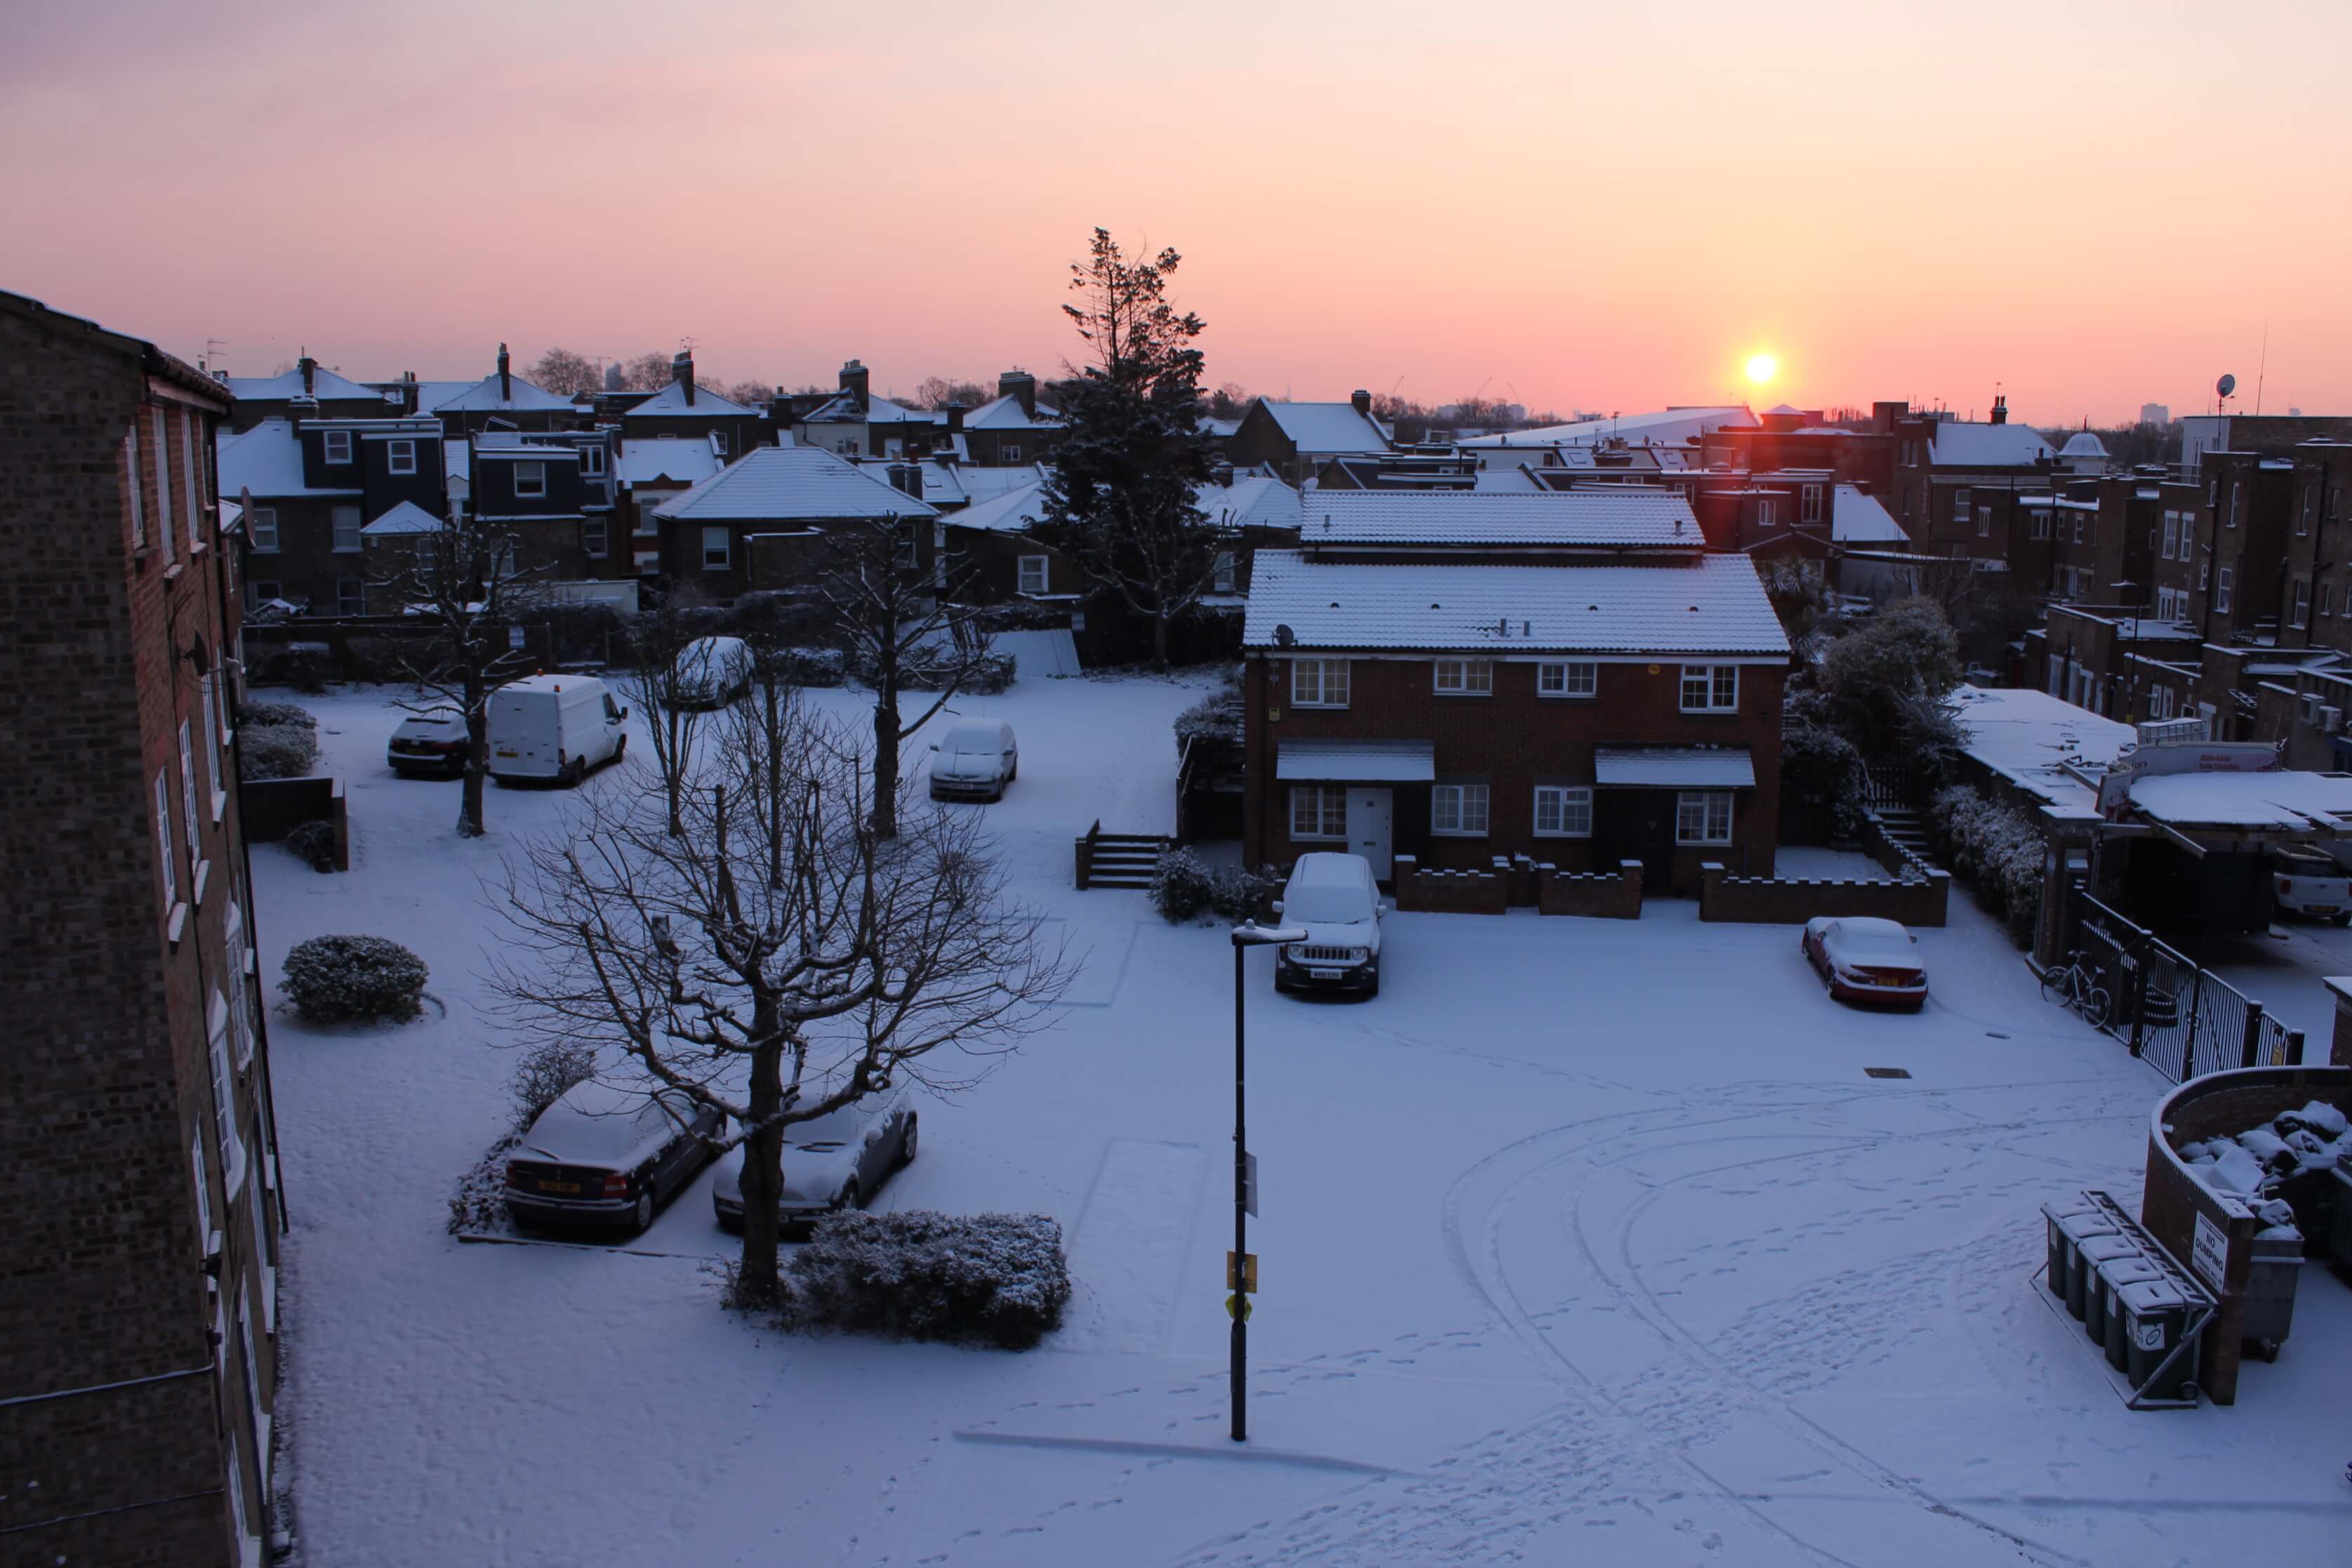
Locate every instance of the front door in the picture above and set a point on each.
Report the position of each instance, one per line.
(1636, 825)
(1371, 821)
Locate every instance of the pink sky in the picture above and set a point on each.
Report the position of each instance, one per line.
(1608, 206)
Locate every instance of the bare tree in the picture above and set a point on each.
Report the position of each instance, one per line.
(900, 634)
(569, 374)
(659, 636)
(780, 959)
(938, 391)
(646, 372)
(752, 394)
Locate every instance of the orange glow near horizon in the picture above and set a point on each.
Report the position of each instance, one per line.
(1930, 200)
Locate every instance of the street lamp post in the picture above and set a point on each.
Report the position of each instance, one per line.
(1245, 938)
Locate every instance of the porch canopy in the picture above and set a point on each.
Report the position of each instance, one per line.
(1674, 767)
(1356, 762)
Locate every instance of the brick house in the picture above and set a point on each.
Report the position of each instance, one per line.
(1951, 473)
(309, 391)
(1013, 427)
(758, 523)
(2316, 547)
(1296, 439)
(1442, 677)
(138, 1310)
(499, 401)
(552, 492)
(647, 473)
(683, 409)
(853, 423)
(314, 487)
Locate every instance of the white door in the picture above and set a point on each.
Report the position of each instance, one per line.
(1370, 821)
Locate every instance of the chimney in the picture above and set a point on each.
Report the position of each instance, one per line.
(955, 412)
(2001, 408)
(1019, 384)
(310, 375)
(854, 379)
(409, 395)
(681, 371)
(1361, 402)
(506, 378)
(907, 476)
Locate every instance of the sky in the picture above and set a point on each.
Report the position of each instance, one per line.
(1610, 207)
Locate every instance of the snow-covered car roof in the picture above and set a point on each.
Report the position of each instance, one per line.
(1867, 933)
(598, 1124)
(819, 1154)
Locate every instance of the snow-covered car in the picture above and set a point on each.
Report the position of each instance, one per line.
(2313, 886)
(606, 1155)
(1864, 959)
(710, 672)
(431, 743)
(1334, 898)
(975, 761)
(837, 1161)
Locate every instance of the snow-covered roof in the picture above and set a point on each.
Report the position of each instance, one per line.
(791, 483)
(267, 460)
(457, 459)
(987, 483)
(1622, 515)
(671, 403)
(1671, 426)
(1860, 519)
(524, 398)
(1014, 511)
(1510, 480)
(1252, 501)
(1674, 767)
(1356, 762)
(1005, 413)
(845, 409)
(432, 395)
(1715, 603)
(942, 482)
(2082, 444)
(665, 460)
(1963, 444)
(404, 518)
(2281, 801)
(1326, 427)
(2025, 736)
(324, 384)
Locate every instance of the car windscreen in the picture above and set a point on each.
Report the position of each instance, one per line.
(1327, 906)
(970, 742)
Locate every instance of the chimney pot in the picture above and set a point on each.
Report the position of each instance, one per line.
(310, 375)
(855, 379)
(2001, 408)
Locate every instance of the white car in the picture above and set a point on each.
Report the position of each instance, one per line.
(1865, 959)
(1334, 898)
(710, 672)
(975, 761)
(837, 1161)
(2312, 886)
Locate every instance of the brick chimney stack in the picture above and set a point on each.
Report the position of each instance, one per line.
(1361, 402)
(955, 413)
(506, 378)
(681, 371)
(2001, 408)
(310, 368)
(1019, 384)
(854, 379)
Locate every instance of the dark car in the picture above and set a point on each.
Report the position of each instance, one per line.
(837, 1161)
(608, 1156)
(429, 745)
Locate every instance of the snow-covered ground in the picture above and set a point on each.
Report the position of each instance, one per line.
(1585, 1241)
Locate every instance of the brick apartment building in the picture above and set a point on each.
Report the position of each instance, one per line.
(1456, 676)
(137, 1312)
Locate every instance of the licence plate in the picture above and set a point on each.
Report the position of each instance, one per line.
(2319, 909)
(559, 1186)
(511, 753)
(1323, 974)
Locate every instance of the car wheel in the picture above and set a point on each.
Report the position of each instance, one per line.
(643, 1217)
(573, 772)
(907, 1141)
(620, 748)
(2344, 920)
(732, 1223)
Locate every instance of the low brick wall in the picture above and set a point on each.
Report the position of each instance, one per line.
(2221, 1104)
(1597, 895)
(1774, 900)
(1449, 892)
(269, 809)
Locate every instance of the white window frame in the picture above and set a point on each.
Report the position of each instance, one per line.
(1454, 808)
(530, 480)
(2302, 603)
(223, 1077)
(591, 461)
(137, 487)
(1463, 676)
(595, 537)
(2040, 523)
(1319, 802)
(2237, 499)
(719, 442)
(1809, 503)
(210, 692)
(1323, 681)
(1712, 700)
(1008, 451)
(193, 472)
(1767, 512)
(907, 552)
(188, 791)
(400, 456)
(2223, 581)
(723, 557)
(351, 591)
(236, 954)
(1711, 806)
(261, 531)
(1224, 572)
(1034, 573)
(345, 522)
(204, 1192)
(338, 448)
(1984, 522)
(1960, 503)
(2171, 533)
(168, 857)
(1568, 681)
(2327, 598)
(1568, 806)
(163, 481)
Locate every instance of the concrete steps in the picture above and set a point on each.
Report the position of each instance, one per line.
(1126, 859)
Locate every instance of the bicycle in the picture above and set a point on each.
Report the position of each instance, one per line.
(2075, 985)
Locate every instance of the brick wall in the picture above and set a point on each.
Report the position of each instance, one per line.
(1772, 901)
(1425, 891)
(1600, 895)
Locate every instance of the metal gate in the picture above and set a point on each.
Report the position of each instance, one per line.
(2184, 1020)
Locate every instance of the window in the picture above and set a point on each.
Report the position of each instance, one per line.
(2204, 574)
(595, 539)
(2078, 528)
(351, 596)
(1319, 811)
(213, 773)
(426, 557)
(531, 478)
(2302, 604)
(592, 459)
(1984, 522)
(240, 1003)
(203, 1192)
(1703, 816)
(1459, 810)
(1563, 811)
(1809, 503)
(1034, 570)
(1220, 579)
(260, 591)
(2237, 499)
(192, 469)
(2222, 592)
(339, 446)
(1008, 452)
(1567, 679)
(715, 543)
(1767, 512)
(1960, 502)
(163, 481)
(232, 1147)
(1465, 677)
(2160, 702)
(2171, 533)
(165, 857)
(346, 523)
(261, 531)
(2303, 516)
(188, 788)
(718, 443)
(1319, 683)
(908, 550)
(134, 485)
(2040, 523)
(400, 457)
(1710, 688)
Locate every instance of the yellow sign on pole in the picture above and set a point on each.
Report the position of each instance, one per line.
(1241, 1304)
(1247, 1283)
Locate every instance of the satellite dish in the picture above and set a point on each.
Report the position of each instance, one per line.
(2226, 385)
(1284, 636)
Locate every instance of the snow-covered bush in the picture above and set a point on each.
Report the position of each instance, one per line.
(1821, 777)
(1995, 849)
(546, 1070)
(313, 843)
(275, 750)
(991, 1278)
(1214, 720)
(278, 713)
(1180, 886)
(814, 665)
(333, 977)
(479, 1206)
(1236, 893)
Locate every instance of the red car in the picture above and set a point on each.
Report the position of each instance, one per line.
(1862, 959)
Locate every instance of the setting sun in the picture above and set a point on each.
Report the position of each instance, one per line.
(1762, 368)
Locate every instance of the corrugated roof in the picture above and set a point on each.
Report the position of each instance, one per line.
(1674, 767)
(1357, 762)
(774, 484)
(1327, 426)
(267, 460)
(1620, 516)
(1715, 603)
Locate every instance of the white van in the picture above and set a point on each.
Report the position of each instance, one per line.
(554, 728)
(976, 760)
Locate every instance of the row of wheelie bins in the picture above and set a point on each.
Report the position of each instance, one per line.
(2133, 1302)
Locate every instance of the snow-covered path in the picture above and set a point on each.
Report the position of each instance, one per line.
(1585, 1241)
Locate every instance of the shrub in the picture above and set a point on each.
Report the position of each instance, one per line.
(306, 665)
(1216, 719)
(546, 1072)
(479, 1206)
(1996, 850)
(333, 977)
(275, 751)
(275, 713)
(991, 1278)
(1236, 893)
(1180, 886)
(814, 665)
(314, 843)
(1821, 774)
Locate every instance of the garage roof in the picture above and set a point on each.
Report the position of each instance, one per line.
(1357, 762)
(1674, 767)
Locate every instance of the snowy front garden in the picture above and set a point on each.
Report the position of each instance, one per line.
(1585, 1241)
